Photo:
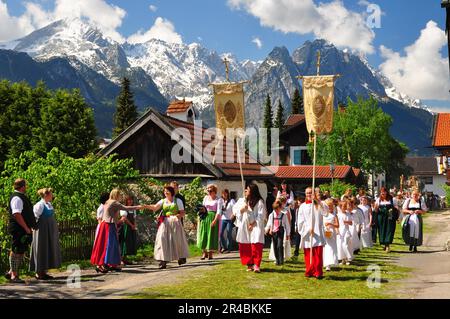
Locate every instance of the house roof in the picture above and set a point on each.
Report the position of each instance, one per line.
(216, 163)
(423, 166)
(178, 106)
(441, 132)
(356, 171)
(306, 172)
(294, 119)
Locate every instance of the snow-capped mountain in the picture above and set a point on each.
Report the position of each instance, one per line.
(182, 70)
(160, 71)
(391, 90)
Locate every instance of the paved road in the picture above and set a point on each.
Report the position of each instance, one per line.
(430, 277)
(130, 281)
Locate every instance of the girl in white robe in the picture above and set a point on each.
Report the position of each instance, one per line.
(331, 223)
(355, 226)
(366, 229)
(344, 237)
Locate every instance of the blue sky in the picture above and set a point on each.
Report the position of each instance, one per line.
(234, 25)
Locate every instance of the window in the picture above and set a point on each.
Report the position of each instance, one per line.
(427, 180)
(299, 155)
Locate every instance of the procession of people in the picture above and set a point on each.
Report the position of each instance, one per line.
(330, 231)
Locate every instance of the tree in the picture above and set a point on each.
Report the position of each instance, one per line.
(361, 138)
(297, 103)
(126, 112)
(67, 122)
(267, 122)
(279, 121)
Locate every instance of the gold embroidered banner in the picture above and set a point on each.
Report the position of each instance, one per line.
(229, 107)
(318, 101)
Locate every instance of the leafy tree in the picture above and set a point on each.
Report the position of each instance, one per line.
(337, 188)
(447, 194)
(126, 112)
(279, 121)
(297, 103)
(267, 121)
(193, 194)
(19, 118)
(361, 138)
(77, 183)
(39, 119)
(67, 123)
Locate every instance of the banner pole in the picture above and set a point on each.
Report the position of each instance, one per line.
(240, 165)
(313, 194)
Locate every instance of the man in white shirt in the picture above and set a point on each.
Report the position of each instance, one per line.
(21, 221)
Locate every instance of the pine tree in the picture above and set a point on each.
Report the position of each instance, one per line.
(268, 120)
(279, 121)
(126, 112)
(297, 103)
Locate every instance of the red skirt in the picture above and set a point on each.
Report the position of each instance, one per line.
(106, 249)
(251, 254)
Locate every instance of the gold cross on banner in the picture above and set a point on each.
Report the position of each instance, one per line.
(227, 69)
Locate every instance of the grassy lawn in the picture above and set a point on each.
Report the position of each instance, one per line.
(230, 280)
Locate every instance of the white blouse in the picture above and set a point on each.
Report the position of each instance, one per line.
(38, 208)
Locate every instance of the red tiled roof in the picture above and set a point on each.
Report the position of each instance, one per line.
(249, 167)
(294, 119)
(306, 172)
(442, 130)
(178, 106)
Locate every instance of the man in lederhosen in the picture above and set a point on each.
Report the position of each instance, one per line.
(21, 222)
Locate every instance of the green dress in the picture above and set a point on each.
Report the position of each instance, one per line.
(387, 221)
(207, 236)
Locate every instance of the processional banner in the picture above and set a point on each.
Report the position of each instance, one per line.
(318, 101)
(229, 107)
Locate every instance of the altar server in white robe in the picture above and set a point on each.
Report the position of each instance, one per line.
(251, 215)
(310, 225)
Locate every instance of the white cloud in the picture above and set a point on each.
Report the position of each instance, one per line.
(330, 21)
(163, 29)
(423, 72)
(153, 8)
(105, 16)
(258, 42)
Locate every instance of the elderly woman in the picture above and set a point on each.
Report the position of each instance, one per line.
(45, 250)
(170, 243)
(106, 251)
(208, 227)
(412, 232)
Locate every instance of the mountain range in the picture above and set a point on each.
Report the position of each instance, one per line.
(71, 53)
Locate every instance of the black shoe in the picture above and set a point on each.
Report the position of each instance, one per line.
(415, 249)
(296, 253)
(101, 270)
(7, 275)
(319, 277)
(181, 261)
(162, 265)
(411, 248)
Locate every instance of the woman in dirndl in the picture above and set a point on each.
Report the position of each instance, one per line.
(412, 229)
(106, 252)
(127, 232)
(387, 216)
(208, 227)
(171, 242)
(45, 249)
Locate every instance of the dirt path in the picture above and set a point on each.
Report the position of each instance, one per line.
(130, 281)
(430, 277)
